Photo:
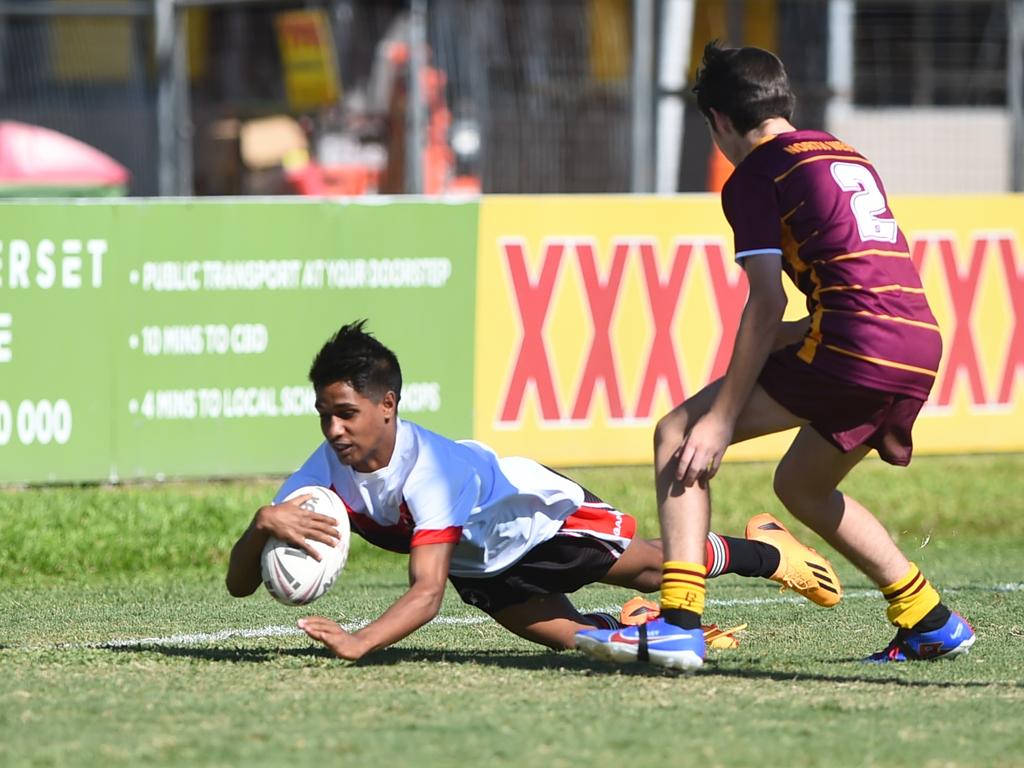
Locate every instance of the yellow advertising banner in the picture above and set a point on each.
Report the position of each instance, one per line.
(597, 314)
(308, 56)
(970, 252)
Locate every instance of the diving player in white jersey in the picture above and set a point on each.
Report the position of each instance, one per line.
(513, 536)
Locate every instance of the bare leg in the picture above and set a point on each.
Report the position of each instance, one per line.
(550, 620)
(639, 567)
(553, 620)
(684, 517)
(685, 512)
(806, 482)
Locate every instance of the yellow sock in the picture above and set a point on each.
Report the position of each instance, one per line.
(910, 598)
(682, 586)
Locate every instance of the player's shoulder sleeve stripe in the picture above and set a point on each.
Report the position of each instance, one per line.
(787, 216)
(818, 158)
(449, 535)
(758, 252)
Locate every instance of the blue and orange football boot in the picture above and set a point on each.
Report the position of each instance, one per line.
(655, 641)
(952, 639)
(640, 610)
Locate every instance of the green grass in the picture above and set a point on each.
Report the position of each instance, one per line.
(82, 567)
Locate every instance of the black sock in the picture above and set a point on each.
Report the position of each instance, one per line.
(602, 620)
(681, 618)
(936, 618)
(751, 558)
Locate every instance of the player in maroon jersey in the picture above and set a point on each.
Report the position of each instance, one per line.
(851, 376)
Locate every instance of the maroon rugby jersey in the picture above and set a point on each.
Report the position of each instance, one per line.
(820, 204)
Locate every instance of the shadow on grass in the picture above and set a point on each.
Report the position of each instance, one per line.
(791, 677)
(235, 655)
(549, 660)
(526, 660)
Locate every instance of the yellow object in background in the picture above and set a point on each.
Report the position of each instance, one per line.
(309, 58)
(758, 21)
(92, 48)
(608, 31)
(722, 639)
(105, 48)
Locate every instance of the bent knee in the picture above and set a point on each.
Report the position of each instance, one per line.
(787, 486)
(671, 428)
(797, 492)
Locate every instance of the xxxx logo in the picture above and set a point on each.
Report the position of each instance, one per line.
(535, 280)
(534, 290)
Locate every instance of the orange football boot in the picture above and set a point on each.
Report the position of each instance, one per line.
(638, 610)
(800, 568)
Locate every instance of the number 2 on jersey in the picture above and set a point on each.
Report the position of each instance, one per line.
(866, 203)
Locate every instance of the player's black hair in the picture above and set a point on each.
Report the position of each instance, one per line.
(749, 85)
(352, 355)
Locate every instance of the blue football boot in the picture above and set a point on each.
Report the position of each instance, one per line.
(657, 642)
(954, 638)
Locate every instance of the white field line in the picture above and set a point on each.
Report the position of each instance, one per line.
(284, 630)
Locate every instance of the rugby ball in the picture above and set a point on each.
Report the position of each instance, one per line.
(291, 575)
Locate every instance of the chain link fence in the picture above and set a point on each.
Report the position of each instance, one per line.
(87, 75)
(223, 97)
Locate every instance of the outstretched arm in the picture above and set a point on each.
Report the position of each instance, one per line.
(287, 521)
(428, 573)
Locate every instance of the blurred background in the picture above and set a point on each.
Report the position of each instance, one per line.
(362, 97)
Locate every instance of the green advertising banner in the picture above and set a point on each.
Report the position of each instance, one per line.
(144, 339)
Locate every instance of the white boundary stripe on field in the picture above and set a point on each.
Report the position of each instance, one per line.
(284, 630)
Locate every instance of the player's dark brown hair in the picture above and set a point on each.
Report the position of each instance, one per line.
(749, 85)
(354, 356)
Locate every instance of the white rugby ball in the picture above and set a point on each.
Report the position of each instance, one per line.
(291, 575)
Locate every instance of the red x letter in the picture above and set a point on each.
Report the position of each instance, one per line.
(601, 298)
(963, 355)
(918, 250)
(730, 296)
(1015, 352)
(662, 363)
(533, 300)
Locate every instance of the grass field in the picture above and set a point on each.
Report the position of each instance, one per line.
(119, 646)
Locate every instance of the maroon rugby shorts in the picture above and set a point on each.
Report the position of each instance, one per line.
(845, 414)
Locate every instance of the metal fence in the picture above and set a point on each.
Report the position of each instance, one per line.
(516, 96)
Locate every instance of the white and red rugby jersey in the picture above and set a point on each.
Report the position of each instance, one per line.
(436, 490)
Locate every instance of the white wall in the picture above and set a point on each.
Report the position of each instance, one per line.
(931, 149)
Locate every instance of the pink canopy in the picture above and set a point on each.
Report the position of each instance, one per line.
(38, 156)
